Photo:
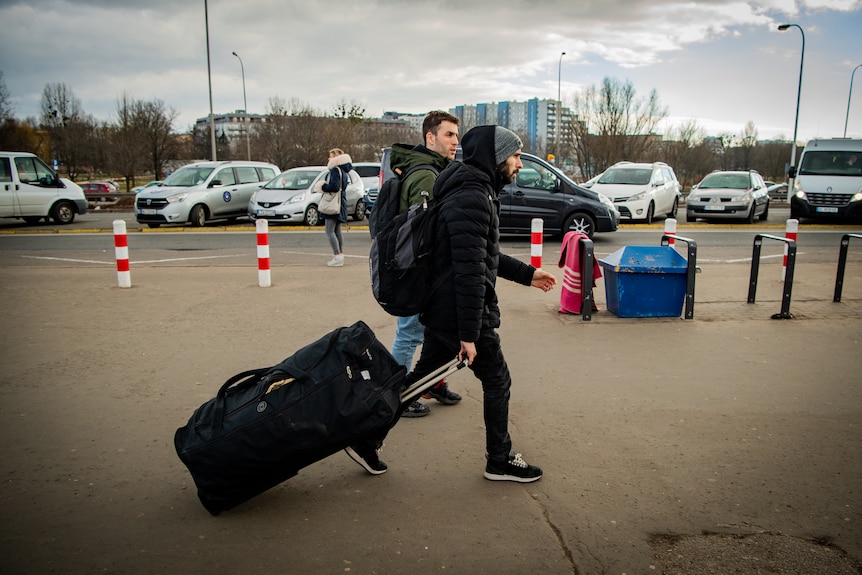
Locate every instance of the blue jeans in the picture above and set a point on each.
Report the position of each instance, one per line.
(409, 334)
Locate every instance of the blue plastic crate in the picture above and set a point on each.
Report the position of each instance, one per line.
(645, 281)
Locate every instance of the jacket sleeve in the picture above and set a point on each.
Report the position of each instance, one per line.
(333, 183)
(468, 221)
(412, 188)
(515, 270)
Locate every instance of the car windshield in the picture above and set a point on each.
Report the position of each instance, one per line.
(632, 176)
(293, 180)
(831, 164)
(186, 177)
(733, 181)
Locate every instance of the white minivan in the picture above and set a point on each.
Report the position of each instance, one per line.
(30, 190)
(828, 180)
(203, 191)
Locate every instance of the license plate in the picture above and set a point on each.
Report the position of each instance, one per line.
(827, 210)
(149, 211)
(265, 213)
(711, 208)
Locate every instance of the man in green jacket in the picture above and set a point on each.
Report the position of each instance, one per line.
(440, 132)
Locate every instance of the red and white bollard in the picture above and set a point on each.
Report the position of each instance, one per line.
(121, 252)
(263, 276)
(536, 228)
(790, 233)
(670, 230)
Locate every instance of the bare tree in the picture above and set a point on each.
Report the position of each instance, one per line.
(6, 109)
(612, 123)
(66, 124)
(771, 159)
(747, 144)
(155, 123)
(688, 155)
(126, 143)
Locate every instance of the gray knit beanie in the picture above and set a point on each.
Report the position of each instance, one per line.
(506, 143)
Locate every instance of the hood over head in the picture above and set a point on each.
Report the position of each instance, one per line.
(482, 146)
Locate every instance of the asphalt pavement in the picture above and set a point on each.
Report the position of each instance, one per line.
(728, 443)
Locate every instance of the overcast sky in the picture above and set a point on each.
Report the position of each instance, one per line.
(720, 62)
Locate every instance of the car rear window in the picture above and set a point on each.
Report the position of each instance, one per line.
(367, 171)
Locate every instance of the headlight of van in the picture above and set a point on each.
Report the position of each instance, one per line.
(607, 202)
(857, 197)
(177, 198)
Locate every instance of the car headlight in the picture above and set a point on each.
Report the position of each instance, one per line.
(253, 198)
(297, 199)
(607, 202)
(857, 197)
(177, 198)
(637, 197)
(800, 194)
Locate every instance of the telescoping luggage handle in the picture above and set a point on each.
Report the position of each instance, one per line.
(431, 379)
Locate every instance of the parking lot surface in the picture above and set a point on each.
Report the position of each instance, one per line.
(727, 443)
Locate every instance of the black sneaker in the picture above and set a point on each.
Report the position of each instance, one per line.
(416, 409)
(441, 393)
(515, 469)
(369, 460)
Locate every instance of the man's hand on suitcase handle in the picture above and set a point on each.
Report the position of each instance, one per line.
(468, 349)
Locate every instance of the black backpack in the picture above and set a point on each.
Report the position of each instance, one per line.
(401, 261)
(389, 199)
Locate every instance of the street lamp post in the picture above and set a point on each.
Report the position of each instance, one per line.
(559, 106)
(245, 108)
(847, 116)
(792, 172)
(210, 82)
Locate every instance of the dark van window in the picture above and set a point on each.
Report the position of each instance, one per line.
(367, 171)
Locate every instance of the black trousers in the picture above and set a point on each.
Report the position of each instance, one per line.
(489, 366)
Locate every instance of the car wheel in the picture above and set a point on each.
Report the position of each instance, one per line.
(749, 219)
(63, 213)
(580, 222)
(312, 216)
(650, 213)
(765, 213)
(674, 209)
(359, 212)
(32, 219)
(155, 225)
(198, 216)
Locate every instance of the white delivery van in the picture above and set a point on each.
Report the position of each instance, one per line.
(828, 180)
(30, 190)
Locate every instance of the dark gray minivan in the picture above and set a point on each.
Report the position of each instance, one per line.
(542, 191)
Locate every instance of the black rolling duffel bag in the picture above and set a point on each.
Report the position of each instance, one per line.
(265, 425)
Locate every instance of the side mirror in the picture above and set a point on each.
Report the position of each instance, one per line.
(791, 172)
(215, 183)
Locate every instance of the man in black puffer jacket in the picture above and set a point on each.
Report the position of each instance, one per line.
(463, 314)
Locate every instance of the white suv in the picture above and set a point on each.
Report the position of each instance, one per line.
(201, 192)
(641, 191)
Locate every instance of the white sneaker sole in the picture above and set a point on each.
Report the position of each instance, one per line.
(507, 477)
(358, 459)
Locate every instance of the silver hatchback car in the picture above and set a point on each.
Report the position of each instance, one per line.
(729, 195)
(291, 197)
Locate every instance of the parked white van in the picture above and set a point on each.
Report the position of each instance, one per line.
(30, 190)
(828, 180)
(204, 191)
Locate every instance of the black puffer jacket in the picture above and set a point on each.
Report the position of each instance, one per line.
(468, 242)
